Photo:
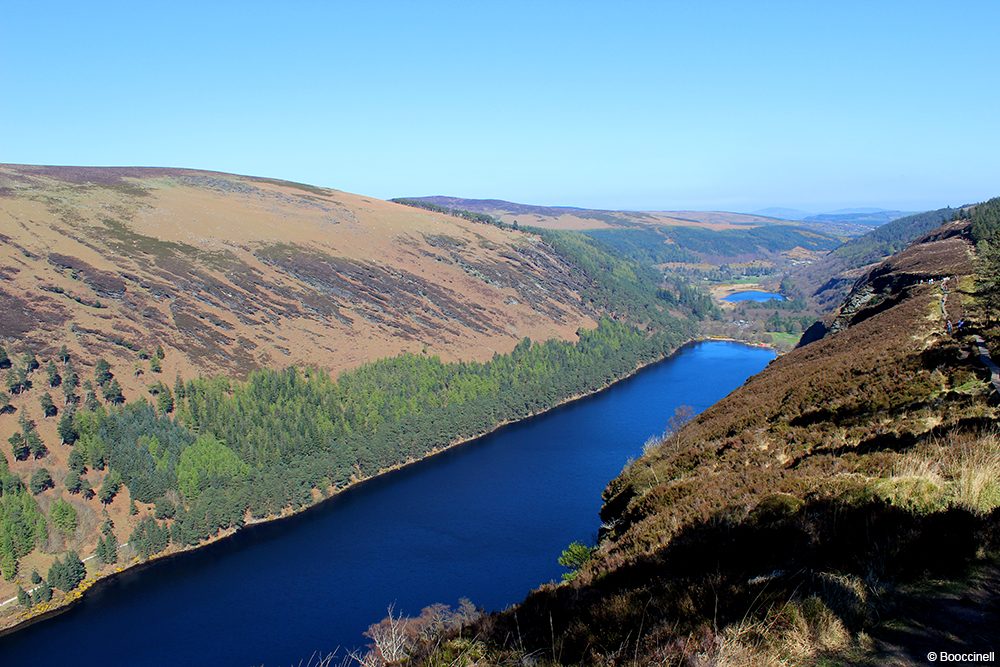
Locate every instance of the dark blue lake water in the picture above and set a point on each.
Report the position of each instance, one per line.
(754, 295)
(485, 521)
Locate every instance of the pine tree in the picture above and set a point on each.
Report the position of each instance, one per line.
(159, 352)
(8, 560)
(110, 487)
(113, 393)
(19, 446)
(107, 548)
(17, 380)
(77, 462)
(23, 598)
(40, 481)
(49, 408)
(69, 375)
(63, 516)
(73, 482)
(102, 372)
(35, 577)
(77, 570)
(4, 359)
(988, 279)
(52, 374)
(90, 401)
(43, 592)
(154, 365)
(69, 394)
(29, 362)
(165, 401)
(64, 354)
(67, 573)
(35, 444)
(5, 405)
(67, 428)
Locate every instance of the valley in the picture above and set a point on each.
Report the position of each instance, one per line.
(188, 354)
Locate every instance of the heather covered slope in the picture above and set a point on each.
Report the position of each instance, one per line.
(184, 352)
(661, 237)
(571, 217)
(231, 273)
(789, 522)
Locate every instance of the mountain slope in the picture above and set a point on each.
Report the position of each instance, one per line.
(571, 217)
(231, 273)
(785, 522)
(828, 279)
(661, 237)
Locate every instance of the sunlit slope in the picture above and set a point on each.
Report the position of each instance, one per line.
(229, 273)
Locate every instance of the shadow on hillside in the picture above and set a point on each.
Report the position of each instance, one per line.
(731, 568)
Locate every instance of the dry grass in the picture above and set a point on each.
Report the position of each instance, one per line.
(963, 474)
(795, 634)
(977, 475)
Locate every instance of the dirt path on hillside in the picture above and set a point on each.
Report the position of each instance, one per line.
(942, 617)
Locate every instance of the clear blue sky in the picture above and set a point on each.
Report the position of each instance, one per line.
(728, 105)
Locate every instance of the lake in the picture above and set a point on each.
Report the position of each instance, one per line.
(753, 295)
(485, 521)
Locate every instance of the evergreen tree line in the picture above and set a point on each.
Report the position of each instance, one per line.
(269, 443)
(22, 523)
(985, 225)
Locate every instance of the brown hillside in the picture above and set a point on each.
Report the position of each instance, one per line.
(793, 520)
(230, 273)
(567, 217)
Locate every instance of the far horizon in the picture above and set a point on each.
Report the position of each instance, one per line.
(655, 106)
(766, 211)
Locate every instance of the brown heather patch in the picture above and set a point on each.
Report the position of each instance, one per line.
(775, 528)
(191, 265)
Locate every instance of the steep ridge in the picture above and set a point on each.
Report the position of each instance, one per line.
(794, 521)
(827, 280)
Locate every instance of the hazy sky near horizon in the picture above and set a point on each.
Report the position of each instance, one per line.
(724, 105)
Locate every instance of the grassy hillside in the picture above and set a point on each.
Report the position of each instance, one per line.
(796, 521)
(231, 273)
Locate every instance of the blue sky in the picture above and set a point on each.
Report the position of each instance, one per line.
(727, 105)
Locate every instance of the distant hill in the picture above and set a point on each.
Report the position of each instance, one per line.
(661, 236)
(783, 213)
(571, 217)
(828, 279)
(891, 237)
(866, 217)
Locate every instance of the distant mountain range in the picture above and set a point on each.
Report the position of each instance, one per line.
(659, 237)
(863, 215)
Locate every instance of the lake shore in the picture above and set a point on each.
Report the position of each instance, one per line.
(24, 618)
